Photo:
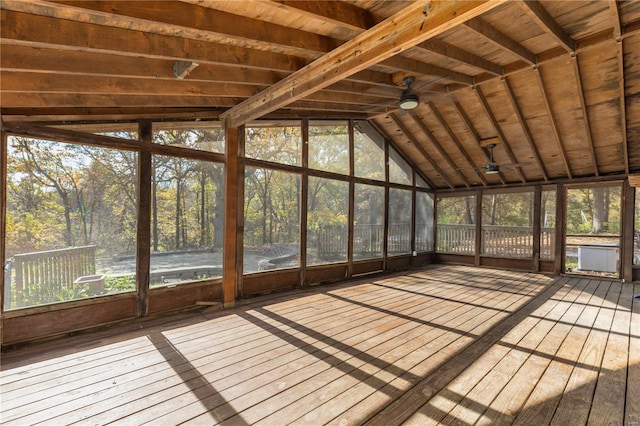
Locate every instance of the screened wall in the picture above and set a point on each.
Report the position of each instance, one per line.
(127, 220)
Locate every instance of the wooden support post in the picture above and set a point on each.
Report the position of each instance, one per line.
(143, 262)
(351, 200)
(478, 226)
(233, 206)
(626, 246)
(561, 229)
(537, 204)
(304, 202)
(5, 293)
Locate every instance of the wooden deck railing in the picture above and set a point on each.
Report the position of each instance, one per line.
(507, 241)
(54, 267)
(497, 241)
(456, 239)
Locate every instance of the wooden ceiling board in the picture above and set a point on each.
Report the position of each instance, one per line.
(89, 58)
(513, 21)
(288, 14)
(629, 11)
(467, 39)
(423, 55)
(580, 19)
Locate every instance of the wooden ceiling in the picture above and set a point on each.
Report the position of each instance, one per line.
(555, 83)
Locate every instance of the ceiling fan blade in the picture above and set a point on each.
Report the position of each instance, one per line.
(514, 165)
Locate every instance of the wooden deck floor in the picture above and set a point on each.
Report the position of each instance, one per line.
(443, 345)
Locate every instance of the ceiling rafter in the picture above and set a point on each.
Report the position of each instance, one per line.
(502, 40)
(623, 105)
(525, 128)
(94, 100)
(452, 52)
(419, 147)
(552, 120)
(539, 14)
(615, 19)
(344, 14)
(585, 114)
(69, 83)
(498, 129)
(436, 144)
(392, 36)
(456, 141)
(423, 69)
(467, 121)
(190, 20)
(23, 29)
(48, 62)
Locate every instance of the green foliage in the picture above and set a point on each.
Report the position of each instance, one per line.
(37, 294)
(120, 284)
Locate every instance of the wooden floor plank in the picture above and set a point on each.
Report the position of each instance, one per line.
(609, 398)
(575, 403)
(455, 399)
(632, 406)
(477, 401)
(442, 345)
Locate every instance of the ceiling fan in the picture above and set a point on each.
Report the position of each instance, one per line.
(492, 167)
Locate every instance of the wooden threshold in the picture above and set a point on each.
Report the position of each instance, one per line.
(443, 344)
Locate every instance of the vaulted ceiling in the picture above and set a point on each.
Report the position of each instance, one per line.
(554, 84)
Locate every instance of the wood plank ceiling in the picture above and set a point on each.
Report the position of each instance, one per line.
(555, 83)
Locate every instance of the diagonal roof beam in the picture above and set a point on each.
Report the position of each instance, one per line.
(615, 17)
(337, 12)
(554, 124)
(439, 148)
(426, 155)
(623, 106)
(525, 127)
(502, 40)
(467, 121)
(412, 25)
(456, 141)
(453, 52)
(587, 123)
(421, 68)
(496, 126)
(545, 21)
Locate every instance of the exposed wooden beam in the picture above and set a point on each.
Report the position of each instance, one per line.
(525, 128)
(30, 30)
(392, 36)
(423, 69)
(452, 52)
(467, 121)
(26, 82)
(623, 106)
(615, 19)
(554, 124)
(585, 114)
(498, 129)
(456, 141)
(25, 58)
(419, 147)
(336, 12)
(233, 214)
(190, 20)
(70, 100)
(502, 40)
(436, 144)
(545, 21)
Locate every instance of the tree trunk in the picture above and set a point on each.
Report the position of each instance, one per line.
(599, 210)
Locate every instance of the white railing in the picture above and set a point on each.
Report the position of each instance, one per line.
(497, 241)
